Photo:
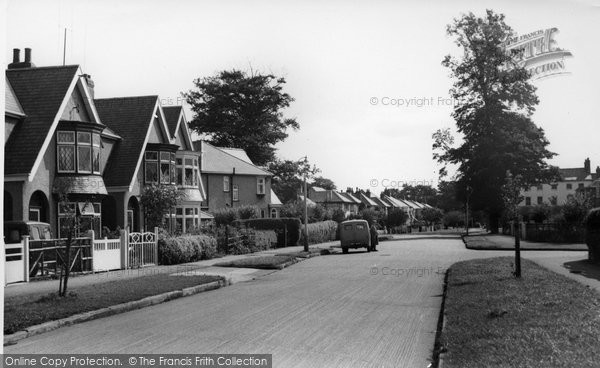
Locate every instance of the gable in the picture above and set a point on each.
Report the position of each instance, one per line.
(156, 134)
(76, 109)
(179, 139)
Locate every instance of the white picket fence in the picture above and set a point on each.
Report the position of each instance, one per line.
(131, 250)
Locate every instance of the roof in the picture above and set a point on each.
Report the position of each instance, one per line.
(352, 198)
(11, 102)
(309, 202)
(576, 174)
(237, 152)
(41, 92)
(172, 114)
(380, 202)
(129, 117)
(366, 200)
(395, 202)
(217, 161)
(274, 199)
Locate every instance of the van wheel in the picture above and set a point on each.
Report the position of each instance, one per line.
(345, 250)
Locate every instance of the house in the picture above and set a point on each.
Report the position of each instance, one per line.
(230, 179)
(382, 205)
(367, 202)
(54, 139)
(571, 180)
(331, 199)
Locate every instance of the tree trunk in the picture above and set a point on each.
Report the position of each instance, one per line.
(494, 221)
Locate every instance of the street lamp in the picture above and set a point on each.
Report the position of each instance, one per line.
(469, 192)
(305, 207)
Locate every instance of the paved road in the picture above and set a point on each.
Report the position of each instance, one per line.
(355, 310)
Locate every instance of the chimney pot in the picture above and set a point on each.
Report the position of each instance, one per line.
(28, 55)
(587, 166)
(16, 56)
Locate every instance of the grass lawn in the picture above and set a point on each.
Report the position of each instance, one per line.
(274, 262)
(499, 242)
(32, 309)
(495, 320)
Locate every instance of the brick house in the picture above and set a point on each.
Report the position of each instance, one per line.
(230, 179)
(571, 180)
(53, 135)
(331, 199)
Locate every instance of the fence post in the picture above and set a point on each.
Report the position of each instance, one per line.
(26, 258)
(156, 245)
(92, 237)
(124, 249)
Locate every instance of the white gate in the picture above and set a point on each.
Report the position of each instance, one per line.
(16, 263)
(143, 249)
(107, 254)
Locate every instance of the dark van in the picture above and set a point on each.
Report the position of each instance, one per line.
(355, 234)
(15, 230)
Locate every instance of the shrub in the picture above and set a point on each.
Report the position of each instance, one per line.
(321, 232)
(540, 213)
(184, 249)
(338, 215)
(576, 208)
(370, 215)
(454, 219)
(247, 212)
(225, 216)
(241, 240)
(592, 234)
(396, 217)
(285, 227)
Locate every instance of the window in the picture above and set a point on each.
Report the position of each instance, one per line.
(236, 193)
(180, 171)
(173, 169)
(89, 217)
(226, 184)
(165, 168)
(540, 200)
(580, 186)
(554, 186)
(96, 153)
(34, 214)
(260, 185)
(151, 167)
(569, 186)
(190, 180)
(187, 218)
(540, 187)
(65, 154)
(273, 213)
(84, 152)
(528, 201)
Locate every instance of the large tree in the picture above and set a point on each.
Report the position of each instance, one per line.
(235, 109)
(494, 104)
(288, 177)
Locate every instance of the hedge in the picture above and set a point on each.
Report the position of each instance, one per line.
(287, 228)
(592, 234)
(235, 240)
(184, 249)
(321, 232)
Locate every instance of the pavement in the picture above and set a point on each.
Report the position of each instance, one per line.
(377, 309)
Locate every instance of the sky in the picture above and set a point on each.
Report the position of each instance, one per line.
(366, 76)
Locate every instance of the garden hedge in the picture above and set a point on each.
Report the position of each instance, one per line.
(321, 232)
(592, 234)
(287, 228)
(186, 248)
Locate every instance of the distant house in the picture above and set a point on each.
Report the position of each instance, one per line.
(331, 199)
(230, 179)
(53, 136)
(366, 201)
(571, 180)
(382, 205)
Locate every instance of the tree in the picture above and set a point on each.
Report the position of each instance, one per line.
(288, 177)
(495, 101)
(454, 219)
(396, 217)
(324, 183)
(235, 109)
(432, 216)
(69, 225)
(158, 201)
(446, 198)
(511, 195)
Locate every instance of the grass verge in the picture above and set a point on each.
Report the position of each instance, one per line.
(32, 309)
(274, 262)
(542, 320)
(498, 242)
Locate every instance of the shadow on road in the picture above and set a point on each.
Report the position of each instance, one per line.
(584, 268)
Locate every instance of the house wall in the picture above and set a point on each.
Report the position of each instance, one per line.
(561, 192)
(106, 150)
(9, 124)
(75, 109)
(217, 198)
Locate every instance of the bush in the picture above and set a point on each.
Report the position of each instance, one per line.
(576, 209)
(321, 232)
(184, 249)
(396, 217)
(285, 227)
(247, 212)
(241, 240)
(225, 216)
(370, 215)
(592, 234)
(540, 213)
(338, 215)
(454, 219)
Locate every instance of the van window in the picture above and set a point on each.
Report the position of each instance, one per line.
(46, 233)
(347, 227)
(360, 227)
(35, 234)
(14, 236)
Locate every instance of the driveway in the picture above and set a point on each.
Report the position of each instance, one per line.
(355, 310)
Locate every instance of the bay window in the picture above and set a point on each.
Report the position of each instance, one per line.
(78, 152)
(187, 172)
(159, 167)
(151, 167)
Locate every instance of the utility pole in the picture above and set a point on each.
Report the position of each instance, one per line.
(469, 191)
(64, 47)
(305, 209)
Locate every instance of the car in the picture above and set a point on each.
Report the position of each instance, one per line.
(355, 234)
(15, 230)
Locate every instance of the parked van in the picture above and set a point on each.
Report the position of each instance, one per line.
(14, 231)
(355, 234)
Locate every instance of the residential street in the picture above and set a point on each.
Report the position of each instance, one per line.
(328, 311)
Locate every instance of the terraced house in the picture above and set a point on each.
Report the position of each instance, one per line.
(105, 151)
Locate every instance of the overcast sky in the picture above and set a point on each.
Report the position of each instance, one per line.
(342, 60)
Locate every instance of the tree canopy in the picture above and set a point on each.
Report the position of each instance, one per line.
(494, 104)
(288, 177)
(235, 109)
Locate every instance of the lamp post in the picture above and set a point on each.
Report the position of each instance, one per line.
(305, 208)
(469, 192)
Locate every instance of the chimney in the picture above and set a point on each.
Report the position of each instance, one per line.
(598, 171)
(586, 165)
(17, 63)
(90, 84)
(16, 56)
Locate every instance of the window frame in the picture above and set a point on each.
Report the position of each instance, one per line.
(261, 182)
(72, 144)
(155, 162)
(235, 195)
(226, 183)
